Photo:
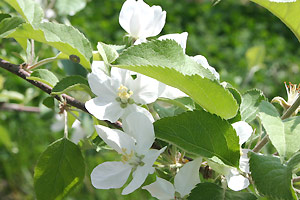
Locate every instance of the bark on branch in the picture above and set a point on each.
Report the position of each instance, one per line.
(18, 107)
(17, 70)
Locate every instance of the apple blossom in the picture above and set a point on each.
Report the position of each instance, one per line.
(185, 180)
(119, 94)
(137, 157)
(292, 91)
(140, 20)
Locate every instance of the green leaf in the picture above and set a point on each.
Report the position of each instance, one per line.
(285, 134)
(165, 53)
(59, 169)
(44, 76)
(107, 52)
(237, 96)
(65, 38)
(4, 16)
(288, 13)
(271, 178)
(202, 134)
(69, 7)
(166, 62)
(72, 83)
(205, 191)
(170, 108)
(292, 136)
(5, 138)
(8, 25)
(49, 102)
(250, 103)
(294, 162)
(30, 11)
(209, 94)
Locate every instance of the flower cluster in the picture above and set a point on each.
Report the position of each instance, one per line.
(122, 94)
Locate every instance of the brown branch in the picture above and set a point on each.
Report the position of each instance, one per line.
(17, 70)
(18, 107)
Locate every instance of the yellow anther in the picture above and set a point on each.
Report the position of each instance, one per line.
(124, 93)
(126, 157)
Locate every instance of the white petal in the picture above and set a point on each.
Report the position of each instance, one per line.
(141, 128)
(110, 175)
(203, 61)
(157, 22)
(116, 139)
(101, 84)
(141, 21)
(236, 181)
(244, 161)
(79, 133)
(243, 130)
(120, 76)
(161, 189)
(126, 14)
(139, 177)
(145, 89)
(180, 38)
(105, 108)
(151, 156)
(187, 177)
(135, 108)
(172, 93)
(98, 66)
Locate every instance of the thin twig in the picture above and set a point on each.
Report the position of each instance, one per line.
(17, 70)
(18, 107)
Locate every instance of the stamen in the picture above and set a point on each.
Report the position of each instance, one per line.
(124, 95)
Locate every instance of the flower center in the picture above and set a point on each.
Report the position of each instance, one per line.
(124, 95)
(132, 158)
(292, 91)
(125, 156)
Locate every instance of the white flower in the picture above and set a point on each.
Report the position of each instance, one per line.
(140, 20)
(234, 179)
(137, 157)
(119, 94)
(293, 92)
(243, 130)
(185, 180)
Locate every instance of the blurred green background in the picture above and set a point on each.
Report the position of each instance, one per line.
(247, 45)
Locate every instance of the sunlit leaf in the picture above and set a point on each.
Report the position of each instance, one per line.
(65, 38)
(166, 62)
(59, 169)
(201, 134)
(288, 13)
(271, 178)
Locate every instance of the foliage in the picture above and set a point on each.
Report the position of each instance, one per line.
(249, 47)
